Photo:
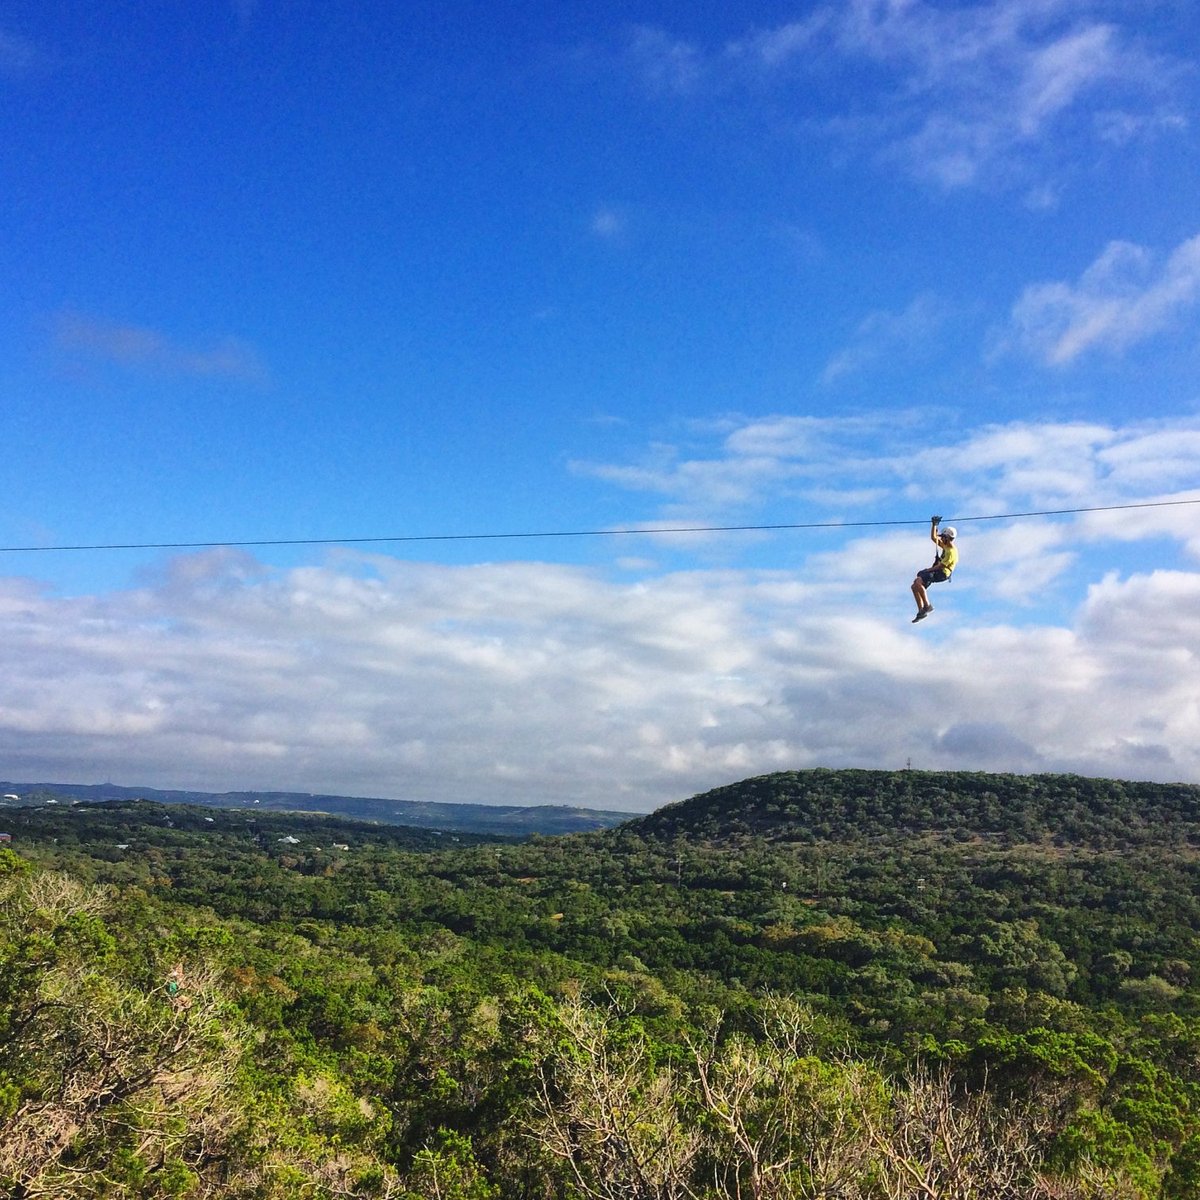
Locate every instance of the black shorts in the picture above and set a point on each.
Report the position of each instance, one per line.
(933, 575)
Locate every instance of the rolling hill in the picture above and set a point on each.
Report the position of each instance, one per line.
(849, 806)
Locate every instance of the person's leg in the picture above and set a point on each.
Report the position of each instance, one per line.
(919, 594)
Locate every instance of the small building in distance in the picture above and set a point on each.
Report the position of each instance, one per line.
(5, 837)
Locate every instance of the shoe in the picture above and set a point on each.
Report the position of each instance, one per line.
(927, 609)
(921, 615)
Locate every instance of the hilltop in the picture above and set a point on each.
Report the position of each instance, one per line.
(849, 806)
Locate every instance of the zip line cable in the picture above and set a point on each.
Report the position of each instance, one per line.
(576, 533)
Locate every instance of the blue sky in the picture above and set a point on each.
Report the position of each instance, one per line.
(285, 271)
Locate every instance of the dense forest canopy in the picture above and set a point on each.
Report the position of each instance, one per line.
(818, 983)
(849, 806)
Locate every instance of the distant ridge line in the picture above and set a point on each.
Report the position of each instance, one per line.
(504, 819)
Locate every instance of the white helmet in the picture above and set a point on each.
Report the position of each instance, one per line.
(948, 531)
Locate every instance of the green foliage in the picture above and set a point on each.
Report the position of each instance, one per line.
(1099, 1139)
(819, 805)
(1045, 1057)
(1182, 1181)
(446, 1169)
(788, 962)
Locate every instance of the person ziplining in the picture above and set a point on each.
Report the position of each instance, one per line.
(943, 567)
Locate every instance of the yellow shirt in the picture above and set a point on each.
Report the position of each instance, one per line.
(948, 557)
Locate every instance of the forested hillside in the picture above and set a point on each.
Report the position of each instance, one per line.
(814, 984)
(850, 806)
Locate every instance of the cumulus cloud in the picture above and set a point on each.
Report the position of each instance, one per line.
(535, 683)
(1123, 298)
(514, 682)
(136, 347)
(971, 92)
(1069, 642)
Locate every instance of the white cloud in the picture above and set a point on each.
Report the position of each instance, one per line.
(535, 683)
(1162, 456)
(802, 437)
(1048, 465)
(706, 485)
(137, 347)
(980, 84)
(1119, 128)
(1171, 520)
(1056, 74)
(859, 466)
(539, 683)
(753, 459)
(771, 49)
(319, 678)
(885, 336)
(1123, 298)
(970, 94)
(666, 64)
